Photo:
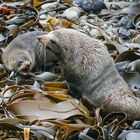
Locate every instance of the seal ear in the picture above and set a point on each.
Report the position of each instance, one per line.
(43, 39)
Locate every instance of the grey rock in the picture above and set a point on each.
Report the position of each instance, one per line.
(126, 22)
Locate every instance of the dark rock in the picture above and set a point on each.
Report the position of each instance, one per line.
(124, 32)
(126, 22)
(94, 6)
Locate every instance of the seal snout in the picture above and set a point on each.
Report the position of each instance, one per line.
(24, 67)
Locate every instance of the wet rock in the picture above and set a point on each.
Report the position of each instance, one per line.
(91, 6)
(86, 28)
(130, 135)
(43, 17)
(124, 32)
(48, 76)
(132, 45)
(126, 22)
(115, 7)
(137, 39)
(50, 6)
(94, 33)
(72, 13)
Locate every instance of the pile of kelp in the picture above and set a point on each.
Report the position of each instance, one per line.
(40, 107)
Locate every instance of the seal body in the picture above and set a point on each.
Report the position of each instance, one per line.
(25, 53)
(90, 71)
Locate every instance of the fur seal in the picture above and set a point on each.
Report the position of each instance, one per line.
(25, 53)
(90, 71)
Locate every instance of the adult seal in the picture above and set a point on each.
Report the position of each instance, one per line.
(90, 71)
(24, 53)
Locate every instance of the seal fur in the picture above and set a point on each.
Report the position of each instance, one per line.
(25, 53)
(90, 71)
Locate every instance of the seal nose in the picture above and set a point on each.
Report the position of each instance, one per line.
(27, 65)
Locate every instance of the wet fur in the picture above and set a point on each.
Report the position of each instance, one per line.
(90, 71)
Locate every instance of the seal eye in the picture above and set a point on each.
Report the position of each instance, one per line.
(19, 63)
(53, 42)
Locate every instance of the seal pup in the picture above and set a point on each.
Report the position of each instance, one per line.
(90, 71)
(25, 53)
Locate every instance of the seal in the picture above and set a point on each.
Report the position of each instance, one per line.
(24, 53)
(90, 71)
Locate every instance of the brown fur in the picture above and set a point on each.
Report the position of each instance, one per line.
(90, 71)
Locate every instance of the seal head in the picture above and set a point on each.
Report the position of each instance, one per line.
(21, 62)
(25, 53)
